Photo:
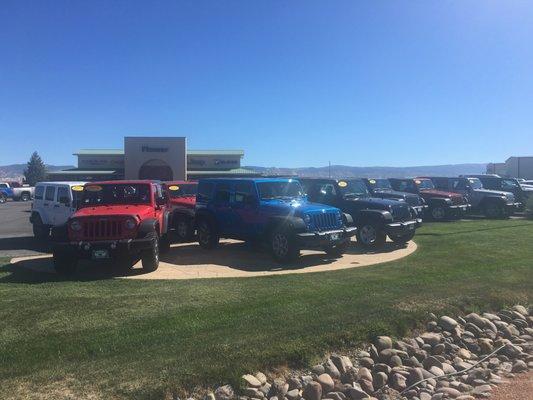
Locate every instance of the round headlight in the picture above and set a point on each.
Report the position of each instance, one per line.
(130, 223)
(307, 219)
(75, 225)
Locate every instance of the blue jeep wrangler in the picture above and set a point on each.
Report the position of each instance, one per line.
(272, 211)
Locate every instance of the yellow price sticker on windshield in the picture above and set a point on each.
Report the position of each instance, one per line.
(173, 188)
(77, 188)
(372, 181)
(93, 188)
(342, 184)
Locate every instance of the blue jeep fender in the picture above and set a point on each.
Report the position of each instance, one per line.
(294, 224)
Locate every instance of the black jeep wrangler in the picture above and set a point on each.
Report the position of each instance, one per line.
(375, 218)
(381, 187)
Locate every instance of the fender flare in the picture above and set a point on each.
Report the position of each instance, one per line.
(375, 216)
(35, 213)
(295, 224)
(347, 219)
(147, 226)
(59, 233)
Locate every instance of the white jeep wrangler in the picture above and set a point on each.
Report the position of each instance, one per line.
(53, 204)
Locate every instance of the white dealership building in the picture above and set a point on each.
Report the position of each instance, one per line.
(164, 158)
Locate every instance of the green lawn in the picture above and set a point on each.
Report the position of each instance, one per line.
(138, 339)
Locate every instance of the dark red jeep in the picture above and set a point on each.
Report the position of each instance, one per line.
(183, 199)
(118, 221)
(442, 205)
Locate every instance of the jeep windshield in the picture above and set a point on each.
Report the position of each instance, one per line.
(183, 190)
(109, 194)
(279, 190)
(353, 189)
(424, 184)
(475, 183)
(380, 184)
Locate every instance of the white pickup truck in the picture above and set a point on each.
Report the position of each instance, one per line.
(17, 192)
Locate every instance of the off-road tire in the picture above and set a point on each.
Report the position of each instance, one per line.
(64, 263)
(438, 213)
(183, 228)
(40, 231)
(283, 246)
(338, 250)
(207, 235)
(25, 197)
(371, 235)
(402, 239)
(493, 210)
(150, 257)
(3, 199)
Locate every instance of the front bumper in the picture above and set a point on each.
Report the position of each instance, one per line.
(402, 228)
(115, 248)
(458, 210)
(420, 210)
(311, 240)
(510, 208)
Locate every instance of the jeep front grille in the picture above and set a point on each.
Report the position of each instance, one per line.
(325, 221)
(401, 213)
(102, 229)
(458, 200)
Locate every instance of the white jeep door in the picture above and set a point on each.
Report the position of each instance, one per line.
(63, 205)
(47, 215)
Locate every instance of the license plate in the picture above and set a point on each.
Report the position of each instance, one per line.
(334, 236)
(99, 254)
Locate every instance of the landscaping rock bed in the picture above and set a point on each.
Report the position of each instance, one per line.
(462, 358)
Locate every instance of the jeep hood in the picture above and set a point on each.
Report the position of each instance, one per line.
(187, 202)
(394, 193)
(377, 203)
(440, 193)
(141, 211)
(294, 206)
(492, 192)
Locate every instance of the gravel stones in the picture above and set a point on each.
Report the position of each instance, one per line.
(449, 359)
(383, 342)
(312, 391)
(447, 323)
(326, 382)
(251, 381)
(224, 393)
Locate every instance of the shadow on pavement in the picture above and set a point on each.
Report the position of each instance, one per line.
(23, 245)
(245, 257)
(234, 254)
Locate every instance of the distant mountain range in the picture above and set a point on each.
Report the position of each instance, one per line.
(344, 171)
(16, 171)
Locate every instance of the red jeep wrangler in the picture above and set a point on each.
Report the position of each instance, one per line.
(117, 220)
(183, 199)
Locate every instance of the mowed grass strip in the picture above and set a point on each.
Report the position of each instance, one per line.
(139, 339)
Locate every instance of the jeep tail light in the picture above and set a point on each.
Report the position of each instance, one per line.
(75, 225)
(130, 224)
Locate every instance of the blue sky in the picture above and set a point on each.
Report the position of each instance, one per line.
(293, 83)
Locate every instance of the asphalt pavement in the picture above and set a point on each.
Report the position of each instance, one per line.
(16, 235)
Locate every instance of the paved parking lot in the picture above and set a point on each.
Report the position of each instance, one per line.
(16, 236)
